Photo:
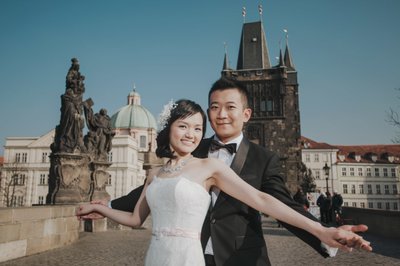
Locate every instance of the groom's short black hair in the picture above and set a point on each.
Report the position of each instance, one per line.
(224, 84)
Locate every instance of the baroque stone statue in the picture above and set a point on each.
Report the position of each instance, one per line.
(78, 165)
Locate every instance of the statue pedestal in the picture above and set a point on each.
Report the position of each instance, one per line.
(100, 177)
(69, 179)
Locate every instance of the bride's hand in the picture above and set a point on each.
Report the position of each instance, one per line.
(83, 210)
(344, 240)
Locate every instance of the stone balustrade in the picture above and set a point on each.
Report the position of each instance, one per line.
(28, 230)
(380, 222)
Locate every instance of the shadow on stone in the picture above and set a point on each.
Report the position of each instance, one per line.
(389, 247)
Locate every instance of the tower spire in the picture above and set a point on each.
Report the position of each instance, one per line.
(226, 60)
(281, 63)
(288, 58)
(253, 49)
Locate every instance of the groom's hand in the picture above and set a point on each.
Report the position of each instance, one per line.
(354, 242)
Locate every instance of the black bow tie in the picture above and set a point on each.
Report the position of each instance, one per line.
(215, 145)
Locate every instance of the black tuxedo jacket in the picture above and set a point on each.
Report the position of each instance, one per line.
(234, 227)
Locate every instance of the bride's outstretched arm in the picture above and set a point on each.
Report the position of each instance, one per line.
(227, 180)
(132, 219)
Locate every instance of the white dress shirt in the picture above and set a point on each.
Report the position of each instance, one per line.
(227, 158)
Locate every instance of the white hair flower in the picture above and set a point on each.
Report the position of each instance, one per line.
(165, 114)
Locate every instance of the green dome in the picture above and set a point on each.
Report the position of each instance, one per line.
(133, 115)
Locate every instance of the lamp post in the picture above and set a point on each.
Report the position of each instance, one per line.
(326, 169)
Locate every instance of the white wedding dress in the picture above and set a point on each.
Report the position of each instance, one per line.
(178, 208)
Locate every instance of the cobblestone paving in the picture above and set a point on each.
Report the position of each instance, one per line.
(129, 247)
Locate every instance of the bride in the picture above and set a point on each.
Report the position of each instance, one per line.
(177, 195)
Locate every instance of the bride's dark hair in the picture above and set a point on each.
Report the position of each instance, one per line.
(183, 108)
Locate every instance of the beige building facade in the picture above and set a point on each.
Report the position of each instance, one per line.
(367, 176)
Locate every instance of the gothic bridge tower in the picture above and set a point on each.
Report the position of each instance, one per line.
(273, 90)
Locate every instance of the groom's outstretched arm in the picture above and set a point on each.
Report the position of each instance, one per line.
(274, 185)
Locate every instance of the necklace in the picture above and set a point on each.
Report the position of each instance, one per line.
(178, 167)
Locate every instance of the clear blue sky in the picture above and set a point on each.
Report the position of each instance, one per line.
(346, 53)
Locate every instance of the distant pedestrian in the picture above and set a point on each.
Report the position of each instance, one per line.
(320, 204)
(327, 208)
(337, 202)
(301, 198)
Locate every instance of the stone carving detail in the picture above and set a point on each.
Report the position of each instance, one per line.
(78, 165)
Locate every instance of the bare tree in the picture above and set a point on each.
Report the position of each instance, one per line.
(393, 118)
(307, 181)
(12, 182)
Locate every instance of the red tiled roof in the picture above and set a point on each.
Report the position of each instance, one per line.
(366, 152)
(382, 153)
(307, 143)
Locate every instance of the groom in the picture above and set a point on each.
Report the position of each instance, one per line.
(232, 233)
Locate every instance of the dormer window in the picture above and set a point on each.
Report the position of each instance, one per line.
(391, 159)
(342, 157)
(374, 158)
(357, 158)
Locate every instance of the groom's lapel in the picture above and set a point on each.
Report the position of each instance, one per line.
(237, 166)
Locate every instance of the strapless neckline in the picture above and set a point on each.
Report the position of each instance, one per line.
(180, 177)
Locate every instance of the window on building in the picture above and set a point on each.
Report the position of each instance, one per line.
(41, 200)
(20, 200)
(344, 172)
(393, 172)
(308, 158)
(143, 143)
(360, 172)
(270, 105)
(386, 189)
(361, 188)
(317, 174)
(110, 157)
(370, 205)
(379, 205)
(354, 204)
(346, 204)
(387, 205)
(44, 157)
(378, 189)
(368, 171)
(344, 188)
(394, 188)
(108, 183)
(385, 172)
(20, 180)
(262, 105)
(42, 180)
(18, 157)
(24, 157)
(395, 207)
(316, 157)
(376, 171)
(369, 188)
(351, 171)
(353, 189)
(362, 205)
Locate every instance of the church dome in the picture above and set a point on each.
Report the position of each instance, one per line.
(133, 115)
